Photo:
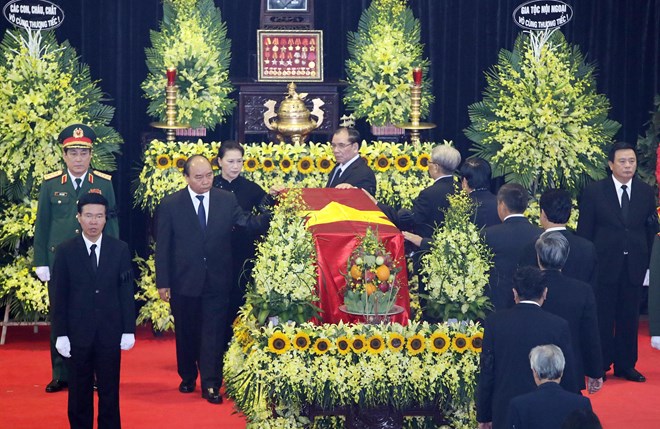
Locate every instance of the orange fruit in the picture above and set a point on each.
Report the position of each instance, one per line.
(383, 273)
(356, 272)
(370, 288)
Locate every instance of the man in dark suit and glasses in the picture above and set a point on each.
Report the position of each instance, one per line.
(194, 271)
(351, 170)
(549, 405)
(93, 314)
(618, 215)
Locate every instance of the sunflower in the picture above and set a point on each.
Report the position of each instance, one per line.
(423, 162)
(402, 162)
(268, 164)
(366, 160)
(359, 344)
(324, 164)
(163, 161)
(322, 345)
(395, 342)
(476, 342)
(382, 163)
(460, 343)
(343, 345)
(416, 344)
(251, 164)
(375, 344)
(301, 341)
(306, 165)
(180, 162)
(286, 165)
(439, 342)
(278, 343)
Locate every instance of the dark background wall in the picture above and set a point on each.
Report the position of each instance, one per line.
(462, 39)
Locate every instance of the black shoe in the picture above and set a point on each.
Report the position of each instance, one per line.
(212, 395)
(631, 375)
(186, 388)
(56, 386)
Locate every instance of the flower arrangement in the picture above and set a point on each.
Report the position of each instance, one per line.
(541, 122)
(648, 149)
(286, 367)
(456, 269)
(17, 225)
(284, 273)
(401, 169)
(192, 39)
(370, 277)
(382, 54)
(155, 310)
(18, 280)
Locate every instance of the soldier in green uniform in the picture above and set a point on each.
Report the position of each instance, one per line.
(56, 215)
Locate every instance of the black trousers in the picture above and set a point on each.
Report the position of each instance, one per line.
(104, 361)
(200, 336)
(618, 320)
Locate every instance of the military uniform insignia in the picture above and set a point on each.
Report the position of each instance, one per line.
(90, 178)
(64, 178)
(78, 132)
(95, 191)
(52, 175)
(60, 194)
(103, 175)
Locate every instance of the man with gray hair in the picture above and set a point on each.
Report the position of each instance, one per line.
(549, 405)
(574, 301)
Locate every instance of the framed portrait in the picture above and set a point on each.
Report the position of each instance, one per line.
(287, 15)
(290, 55)
(286, 5)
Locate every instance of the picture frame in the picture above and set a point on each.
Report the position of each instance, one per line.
(295, 6)
(290, 55)
(286, 15)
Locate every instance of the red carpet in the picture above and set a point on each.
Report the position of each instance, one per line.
(150, 399)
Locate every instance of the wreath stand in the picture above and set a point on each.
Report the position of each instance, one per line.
(6, 322)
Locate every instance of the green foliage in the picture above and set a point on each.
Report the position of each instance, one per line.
(383, 53)
(541, 122)
(647, 147)
(193, 39)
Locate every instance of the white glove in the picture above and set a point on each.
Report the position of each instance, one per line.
(655, 342)
(43, 273)
(63, 345)
(127, 341)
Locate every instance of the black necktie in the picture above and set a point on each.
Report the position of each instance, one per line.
(92, 257)
(78, 181)
(625, 202)
(336, 176)
(201, 212)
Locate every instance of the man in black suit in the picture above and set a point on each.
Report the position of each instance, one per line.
(618, 215)
(574, 301)
(507, 240)
(548, 406)
(193, 272)
(93, 314)
(475, 180)
(351, 170)
(555, 205)
(509, 335)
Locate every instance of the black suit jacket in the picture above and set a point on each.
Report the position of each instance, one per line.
(507, 241)
(186, 256)
(545, 408)
(485, 214)
(90, 306)
(601, 222)
(574, 301)
(581, 261)
(509, 335)
(357, 174)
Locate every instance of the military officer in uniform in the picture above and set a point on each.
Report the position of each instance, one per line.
(56, 214)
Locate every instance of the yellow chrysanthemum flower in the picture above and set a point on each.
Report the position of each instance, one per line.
(423, 162)
(163, 161)
(359, 344)
(402, 162)
(301, 341)
(180, 162)
(416, 344)
(325, 164)
(322, 345)
(382, 163)
(460, 343)
(306, 165)
(395, 342)
(268, 164)
(375, 344)
(439, 342)
(343, 345)
(286, 165)
(251, 164)
(476, 342)
(278, 343)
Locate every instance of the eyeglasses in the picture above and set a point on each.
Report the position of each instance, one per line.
(341, 145)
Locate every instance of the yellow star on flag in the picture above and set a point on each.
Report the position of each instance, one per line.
(336, 212)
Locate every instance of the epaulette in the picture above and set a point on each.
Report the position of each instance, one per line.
(102, 175)
(53, 175)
